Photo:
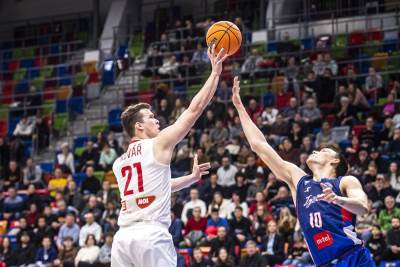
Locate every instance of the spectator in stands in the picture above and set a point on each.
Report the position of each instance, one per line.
(366, 222)
(286, 45)
(221, 240)
(286, 224)
(224, 93)
(239, 227)
(237, 202)
(373, 84)
(42, 230)
(386, 134)
(218, 202)
(378, 192)
(311, 114)
(282, 199)
(288, 152)
(175, 229)
(194, 228)
(253, 257)
(107, 157)
(32, 197)
(219, 134)
(4, 156)
(319, 65)
(394, 145)
(73, 196)
(92, 207)
(199, 260)
(226, 173)
(224, 259)
(298, 253)
(393, 240)
(251, 65)
(209, 188)
(65, 159)
(358, 99)
(25, 250)
(43, 132)
(291, 72)
(57, 183)
(7, 254)
(345, 113)
(289, 112)
(13, 204)
(89, 252)
(296, 135)
(91, 185)
(67, 253)
(13, 176)
(269, 115)
(200, 58)
(386, 215)
(46, 255)
(178, 109)
(106, 194)
(273, 246)
(394, 176)
(32, 174)
(68, 229)
(376, 244)
(390, 106)
(190, 205)
(368, 136)
(91, 227)
(24, 128)
(105, 250)
(169, 69)
(89, 157)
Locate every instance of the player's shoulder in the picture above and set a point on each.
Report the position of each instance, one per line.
(349, 181)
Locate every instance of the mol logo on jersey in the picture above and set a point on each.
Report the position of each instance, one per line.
(323, 240)
(144, 202)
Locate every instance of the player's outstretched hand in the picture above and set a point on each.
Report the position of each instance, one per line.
(216, 60)
(199, 170)
(236, 100)
(328, 195)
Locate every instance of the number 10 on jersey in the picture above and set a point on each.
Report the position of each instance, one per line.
(315, 220)
(126, 172)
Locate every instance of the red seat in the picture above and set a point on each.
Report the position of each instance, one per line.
(374, 35)
(146, 96)
(3, 128)
(8, 90)
(94, 77)
(357, 38)
(330, 119)
(48, 93)
(13, 65)
(282, 100)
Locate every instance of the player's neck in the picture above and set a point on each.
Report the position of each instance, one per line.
(324, 172)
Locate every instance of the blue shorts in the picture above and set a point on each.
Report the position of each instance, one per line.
(359, 258)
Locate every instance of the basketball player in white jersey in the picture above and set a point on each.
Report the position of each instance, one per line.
(144, 179)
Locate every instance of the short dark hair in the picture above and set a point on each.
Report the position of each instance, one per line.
(131, 115)
(343, 166)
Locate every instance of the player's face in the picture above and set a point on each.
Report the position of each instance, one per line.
(150, 124)
(322, 157)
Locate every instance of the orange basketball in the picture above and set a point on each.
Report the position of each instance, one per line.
(224, 34)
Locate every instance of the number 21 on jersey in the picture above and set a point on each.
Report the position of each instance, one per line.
(126, 172)
(315, 220)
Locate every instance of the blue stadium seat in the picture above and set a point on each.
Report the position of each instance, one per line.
(7, 55)
(390, 45)
(22, 86)
(12, 123)
(65, 81)
(79, 177)
(80, 141)
(307, 43)
(76, 104)
(54, 49)
(26, 63)
(27, 147)
(33, 73)
(114, 119)
(272, 46)
(47, 167)
(61, 106)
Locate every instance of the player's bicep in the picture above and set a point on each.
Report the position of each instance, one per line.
(352, 187)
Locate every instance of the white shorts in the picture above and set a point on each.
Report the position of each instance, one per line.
(143, 245)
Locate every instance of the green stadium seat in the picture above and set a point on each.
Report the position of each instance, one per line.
(46, 72)
(144, 83)
(260, 46)
(61, 122)
(339, 46)
(95, 129)
(79, 151)
(17, 53)
(19, 74)
(4, 112)
(79, 79)
(38, 82)
(100, 175)
(372, 47)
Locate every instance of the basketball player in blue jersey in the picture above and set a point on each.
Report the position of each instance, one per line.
(326, 201)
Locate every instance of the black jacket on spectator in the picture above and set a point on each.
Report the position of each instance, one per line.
(87, 155)
(91, 185)
(4, 158)
(8, 257)
(368, 137)
(204, 263)
(277, 248)
(241, 190)
(207, 192)
(216, 244)
(252, 261)
(374, 195)
(377, 246)
(26, 255)
(392, 239)
(241, 226)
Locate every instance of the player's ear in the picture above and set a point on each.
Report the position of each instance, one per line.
(138, 126)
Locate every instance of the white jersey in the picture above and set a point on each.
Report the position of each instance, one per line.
(144, 185)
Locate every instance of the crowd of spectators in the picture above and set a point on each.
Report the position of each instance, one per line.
(240, 214)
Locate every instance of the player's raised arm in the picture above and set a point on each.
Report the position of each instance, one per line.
(282, 169)
(170, 136)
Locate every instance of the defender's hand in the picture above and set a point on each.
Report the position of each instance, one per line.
(236, 100)
(328, 195)
(200, 170)
(216, 60)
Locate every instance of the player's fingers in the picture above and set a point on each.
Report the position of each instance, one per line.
(195, 161)
(221, 53)
(205, 173)
(223, 58)
(205, 165)
(213, 50)
(327, 190)
(209, 52)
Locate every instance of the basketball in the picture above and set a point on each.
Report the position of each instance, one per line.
(224, 34)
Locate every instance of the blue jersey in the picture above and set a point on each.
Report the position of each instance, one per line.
(328, 228)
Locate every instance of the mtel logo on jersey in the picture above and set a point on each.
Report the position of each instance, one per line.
(144, 202)
(323, 240)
